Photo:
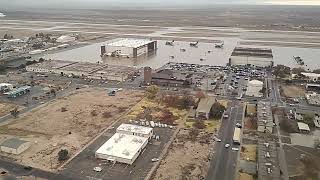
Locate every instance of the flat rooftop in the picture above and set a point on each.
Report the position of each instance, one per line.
(255, 52)
(83, 67)
(122, 145)
(115, 70)
(126, 42)
(134, 128)
(52, 64)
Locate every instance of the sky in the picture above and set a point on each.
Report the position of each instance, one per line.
(98, 3)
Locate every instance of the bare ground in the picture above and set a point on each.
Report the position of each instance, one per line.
(86, 113)
(5, 108)
(292, 91)
(187, 157)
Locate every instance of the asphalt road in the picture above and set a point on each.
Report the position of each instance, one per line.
(223, 165)
(17, 170)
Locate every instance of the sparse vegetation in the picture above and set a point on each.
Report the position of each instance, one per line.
(15, 112)
(64, 109)
(199, 124)
(152, 91)
(94, 113)
(107, 114)
(63, 155)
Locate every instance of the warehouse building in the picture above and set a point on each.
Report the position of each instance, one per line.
(259, 57)
(48, 66)
(129, 48)
(132, 129)
(166, 77)
(14, 146)
(264, 115)
(80, 69)
(254, 88)
(114, 73)
(123, 148)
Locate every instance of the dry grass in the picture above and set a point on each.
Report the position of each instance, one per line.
(187, 158)
(5, 108)
(156, 111)
(292, 91)
(245, 176)
(50, 129)
(251, 109)
(249, 153)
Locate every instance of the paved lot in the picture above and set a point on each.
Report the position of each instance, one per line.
(82, 165)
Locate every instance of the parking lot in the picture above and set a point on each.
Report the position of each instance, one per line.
(82, 165)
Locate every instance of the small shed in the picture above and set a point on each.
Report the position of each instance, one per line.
(303, 127)
(14, 146)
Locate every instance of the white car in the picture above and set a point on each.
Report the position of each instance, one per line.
(217, 139)
(227, 145)
(155, 159)
(225, 116)
(238, 125)
(97, 169)
(235, 149)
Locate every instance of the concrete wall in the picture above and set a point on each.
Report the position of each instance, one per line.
(256, 61)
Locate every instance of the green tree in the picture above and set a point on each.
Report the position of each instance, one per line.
(308, 119)
(63, 155)
(298, 70)
(2, 68)
(281, 71)
(152, 91)
(217, 110)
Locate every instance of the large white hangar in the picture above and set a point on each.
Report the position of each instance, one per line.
(129, 48)
(123, 148)
(260, 57)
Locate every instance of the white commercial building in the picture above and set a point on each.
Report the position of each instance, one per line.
(312, 76)
(14, 146)
(136, 130)
(254, 88)
(261, 57)
(130, 48)
(303, 127)
(123, 148)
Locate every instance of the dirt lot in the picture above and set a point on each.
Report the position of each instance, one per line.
(245, 176)
(5, 108)
(187, 157)
(249, 152)
(292, 91)
(68, 122)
